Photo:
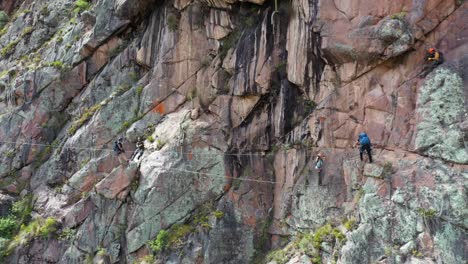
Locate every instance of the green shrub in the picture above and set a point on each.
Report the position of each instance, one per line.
(81, 5)
(150, 139)
(279, 256)
(177, 234)
(349, 224)
(26, 31)
(87, 114)
(218, 214)
(9, 48)
(48, 227)
(8, 227)
(427, 213)
(139, 90)
(416, 253)
(101, 251)
(3, 19)
(22, 209)
(4, 31)
(38, 228)
(67, 234)
(338, 235)
(45, 11)
(321, 235)
(172, 22)
(133, 76)
(122, 89)
(10, 153)
(55, 64)
(160, 144)
(399, 16)
(316, 260)
(309, 106)
(126, 125)
(229, 42)
(160, 243)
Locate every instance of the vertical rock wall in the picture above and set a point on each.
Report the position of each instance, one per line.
(233, 99)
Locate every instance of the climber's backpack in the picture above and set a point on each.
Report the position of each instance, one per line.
(364, 140)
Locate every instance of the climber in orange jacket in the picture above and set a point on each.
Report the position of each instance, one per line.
(432, 59)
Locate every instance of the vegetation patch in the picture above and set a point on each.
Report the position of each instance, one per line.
(387, 169)
(38, 228)
(87, 114)
(9, 48)
(16, 230)
(309, 106)
(139, 90)
(8, 227)
(230, 41)
(160, 243)
(176, 236)
(172, 22)
(81, 5)
(3, 19)
(55, 64)
(27, 31)
(45, 153)
(399, 16)
(427, 213)
(349, 224)
(150, 139)
(309, 244)
(218, 214)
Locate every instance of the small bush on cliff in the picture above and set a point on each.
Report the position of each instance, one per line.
(22, 209)
(27, 31)
(172, 22)
(427, 213)
(9, 48)
(349, 224)
(55, 64)
(399, 16)
(88, 113)
(3, 19)
(309, 106)
(229, 42)
(8, 227)
(38, 228)
(81, 5)
(67, 234)
(160, 243)
(218, 214)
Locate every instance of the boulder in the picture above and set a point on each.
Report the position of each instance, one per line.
(373, 170)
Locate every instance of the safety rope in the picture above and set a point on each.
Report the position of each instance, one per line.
(171, 169)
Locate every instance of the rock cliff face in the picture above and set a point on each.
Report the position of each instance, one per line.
(234, 99)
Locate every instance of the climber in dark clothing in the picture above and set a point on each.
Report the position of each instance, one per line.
(365, 144)
(140, 148)
(118, 146)
(432, 59)
(319, 160)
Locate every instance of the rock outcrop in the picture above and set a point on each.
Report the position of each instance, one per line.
(233, 100)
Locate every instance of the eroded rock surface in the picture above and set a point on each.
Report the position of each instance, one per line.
(233, 100)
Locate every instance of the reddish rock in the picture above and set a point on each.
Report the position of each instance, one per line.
(78, 213)
(425, 244)
(116, 182)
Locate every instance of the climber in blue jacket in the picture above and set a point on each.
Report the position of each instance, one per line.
(365, 144)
